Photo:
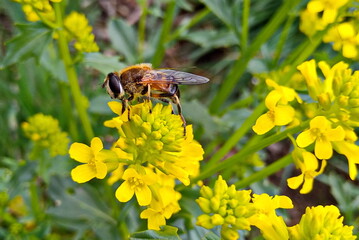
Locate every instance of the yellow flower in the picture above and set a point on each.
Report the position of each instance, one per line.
(46, 133)
(321, 222)
(136, 183)
(93, 158)
(345, 37)
(78, 29)
(156, 137)
(226, 207)
(322, 134)
(308, 164)
(278, 114)
(271, 225)
(161, 208)
(328, 9)
(33, 9)
(318, 14)
(309, 72)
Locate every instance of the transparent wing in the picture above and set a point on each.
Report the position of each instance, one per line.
(173, 77)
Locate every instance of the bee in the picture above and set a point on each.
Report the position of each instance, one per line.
(142, 80)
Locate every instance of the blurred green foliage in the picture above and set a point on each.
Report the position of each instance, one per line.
(227, 42)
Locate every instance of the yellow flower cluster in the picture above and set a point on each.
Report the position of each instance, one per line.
(78, 29)
(36, 9)
(151, 153)
(76, 25)
(46, 133)
(235, 210)
(344, 34)
(319, 14)
(332, 112)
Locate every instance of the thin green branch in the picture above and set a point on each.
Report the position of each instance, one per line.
(245, 24)
(165, 32)
(193, 21)
(241, 64)
(72, 75)
(265, 172)
(248, 150)
(142, 29)
(236, 136)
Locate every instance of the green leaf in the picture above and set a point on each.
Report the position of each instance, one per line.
(31, 41)
(103, 63)
(228, 11)
(124, 39)
(50, 61)
(166, 232)
(212, 38)
(211, 236)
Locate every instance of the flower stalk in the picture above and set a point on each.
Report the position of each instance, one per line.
(72, 75)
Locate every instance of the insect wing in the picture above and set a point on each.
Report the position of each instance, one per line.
(173, 77)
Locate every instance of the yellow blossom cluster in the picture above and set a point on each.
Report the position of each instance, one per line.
(46, 133)
(235, 210)
(36, 9)
(78, 30)
(343, 32)
(151, 153)
(75, 25)
(332, 112)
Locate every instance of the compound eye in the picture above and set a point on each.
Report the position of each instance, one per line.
(115, 85)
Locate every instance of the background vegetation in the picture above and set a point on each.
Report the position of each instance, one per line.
(233, 43)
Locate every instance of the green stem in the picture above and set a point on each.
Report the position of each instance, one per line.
(265, 172)
(72, 75)
(44, 20)
(163, 39)
(240, 65)
(283, 38)
(247, 150)
(194, 20)
(142, 29)
(67, 116)
(236, 136)
(245, 17)
(34, 200)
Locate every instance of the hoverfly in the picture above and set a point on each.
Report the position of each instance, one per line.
(142, 80)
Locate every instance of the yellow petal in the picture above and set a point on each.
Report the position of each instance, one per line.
(350, 50)
(283, 115)
(124, 192)
(129, 173)
(320, 122)
(310, 161)
(263, 124)
(323, 149)
(305, 138)
(272, 99)
(329, 15)
(116, 107)
(144, 195)
(96, 145)
(81, 152)
(337, 134)
(295, 182)
(83, 173)
(307, 185)
(315, 6)
(101, 170)
(346, 30)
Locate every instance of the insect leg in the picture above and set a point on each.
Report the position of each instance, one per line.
(175, 100)
(149, 95)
